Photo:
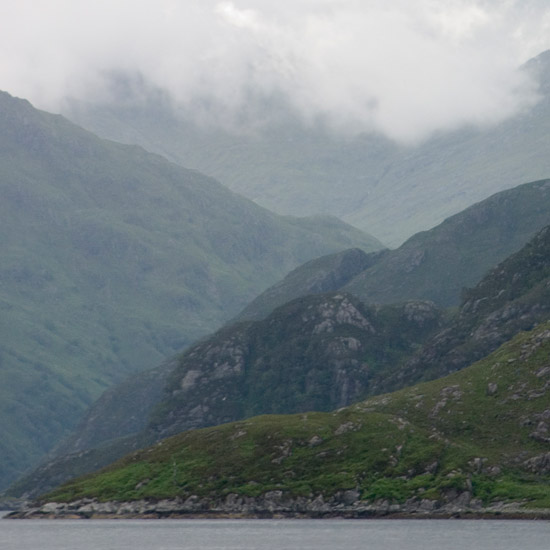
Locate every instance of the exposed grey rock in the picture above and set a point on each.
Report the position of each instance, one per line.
(278, 503)
(539, 464)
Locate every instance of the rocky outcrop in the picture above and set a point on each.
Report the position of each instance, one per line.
(512, 297)
(318, 352)
(345, 504)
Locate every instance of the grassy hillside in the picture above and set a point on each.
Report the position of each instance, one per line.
(389, 190)
(438, 264)
(112, 259)
(479, 435)
(432, 265)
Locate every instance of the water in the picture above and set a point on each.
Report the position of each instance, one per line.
(274, 535)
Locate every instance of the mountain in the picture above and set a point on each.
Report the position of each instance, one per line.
(315, 353)
(324, 351)
(434, 265)
(326, 274)
(475, 442)
(311, 353)
(438, 264)
(113, 259)
(390, 190)
(512, 297)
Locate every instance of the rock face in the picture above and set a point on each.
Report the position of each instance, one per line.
(513, 296)
(345, 504)
(315, 353)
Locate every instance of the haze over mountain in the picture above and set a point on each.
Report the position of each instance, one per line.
(389, 189)
(344, 63)
(390, 115)
(112, 259)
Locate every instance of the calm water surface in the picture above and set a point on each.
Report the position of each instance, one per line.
(273, 535)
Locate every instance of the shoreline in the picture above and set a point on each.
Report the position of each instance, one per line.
(276, 505)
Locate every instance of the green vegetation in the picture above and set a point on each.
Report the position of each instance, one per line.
(113, 259)
(322, 352)
(318, 352)
(482, 430)
(438, 264)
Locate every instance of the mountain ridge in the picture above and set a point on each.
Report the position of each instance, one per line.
(390, 190)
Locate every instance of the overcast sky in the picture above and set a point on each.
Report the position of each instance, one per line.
(402, 67)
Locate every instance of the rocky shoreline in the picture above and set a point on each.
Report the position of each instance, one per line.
(275, 504)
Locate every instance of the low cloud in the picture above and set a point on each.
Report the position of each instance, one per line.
(405, 69)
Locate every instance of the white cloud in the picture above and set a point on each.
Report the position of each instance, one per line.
(245, 19)
(398, 67)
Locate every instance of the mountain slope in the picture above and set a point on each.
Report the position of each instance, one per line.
(326, 274)
(314, 353)
(432, 265)
(325, 351)
(438, 264)
(112, 259)
(465, 443)
(513, 296)
(390, 190)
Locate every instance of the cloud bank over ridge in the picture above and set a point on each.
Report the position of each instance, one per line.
(405, 69)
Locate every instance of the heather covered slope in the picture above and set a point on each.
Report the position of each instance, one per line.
(390, 190)
(112, 259)
(455, 444)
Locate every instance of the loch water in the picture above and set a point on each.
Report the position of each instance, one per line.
(274, 535)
